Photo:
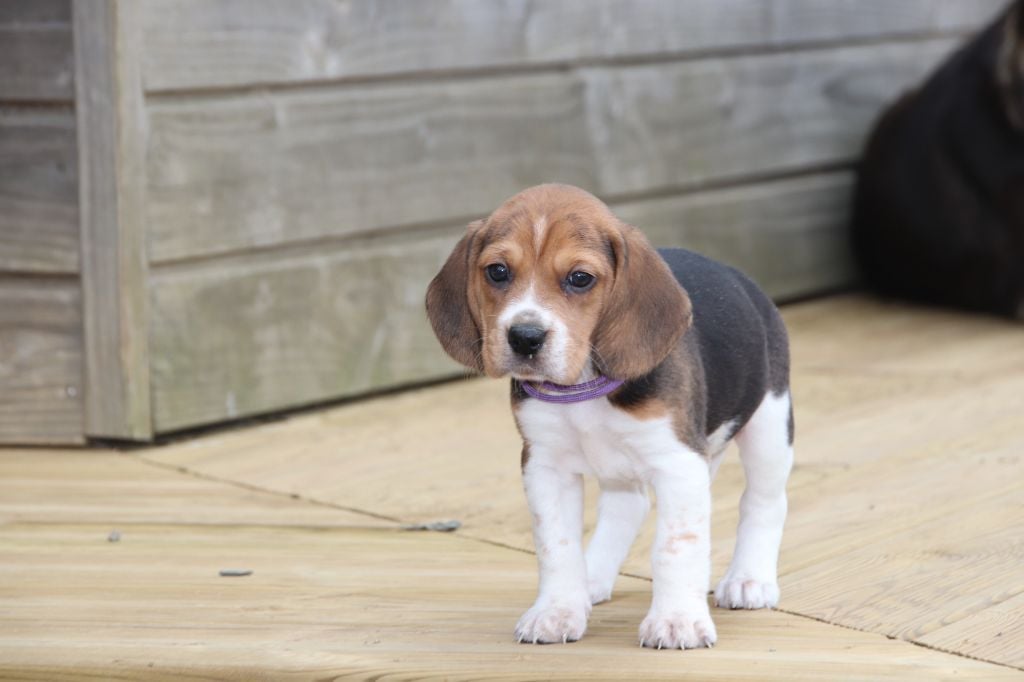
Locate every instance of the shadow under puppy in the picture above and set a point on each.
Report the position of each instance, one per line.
(636, 367)
(938, 210)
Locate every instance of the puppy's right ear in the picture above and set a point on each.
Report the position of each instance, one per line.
(448, 304)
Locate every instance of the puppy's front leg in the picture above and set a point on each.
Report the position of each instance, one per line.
(681, 559)
(563, 605)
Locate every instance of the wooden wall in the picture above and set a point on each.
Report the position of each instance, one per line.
(309, 164)
(40, 299)
(268, 186)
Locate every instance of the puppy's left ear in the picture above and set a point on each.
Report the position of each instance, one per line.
(448, 304)
(646, 312)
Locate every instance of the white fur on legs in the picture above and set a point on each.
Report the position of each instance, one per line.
(681, 557)
(560, 613)
(620, 512)
(767, 455)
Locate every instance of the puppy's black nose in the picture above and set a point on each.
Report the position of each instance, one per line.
(526, 339)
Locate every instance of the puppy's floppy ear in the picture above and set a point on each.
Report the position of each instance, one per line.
(448, 304)
(645, 314)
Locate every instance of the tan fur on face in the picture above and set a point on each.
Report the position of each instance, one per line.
(622, 326)
(543, 235)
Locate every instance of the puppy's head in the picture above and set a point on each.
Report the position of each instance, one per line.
(553, 284)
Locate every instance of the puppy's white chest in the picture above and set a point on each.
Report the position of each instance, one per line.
(595, 438)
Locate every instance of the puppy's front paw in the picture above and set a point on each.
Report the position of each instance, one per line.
(738, 592)
(686, 629)
(550, 621)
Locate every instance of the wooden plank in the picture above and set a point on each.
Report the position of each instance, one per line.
(275, 336)
(366, 605)
(36, 56)
(38, 190)
(300, 165)
(789, 235)
(923, 579)
(69, 487)
(992, 634)
(40, 360)
(257, 334)
(112, 195)
(234, 172)
(194, 44)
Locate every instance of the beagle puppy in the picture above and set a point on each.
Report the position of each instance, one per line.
(637, 367)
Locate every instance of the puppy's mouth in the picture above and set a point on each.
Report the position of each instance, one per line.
(528, 368)
(537, 370)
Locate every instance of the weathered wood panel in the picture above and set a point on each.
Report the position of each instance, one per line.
(38, 190)
(234, 173)
(110, 122)
(40, 360)
(790, 235)
(257, 332)
(229, 173)
(239, 338)
(36, 60)
(202, 44)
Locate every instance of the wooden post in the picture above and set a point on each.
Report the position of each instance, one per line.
(109, 110)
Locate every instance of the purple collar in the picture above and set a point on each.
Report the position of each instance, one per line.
(577, 393)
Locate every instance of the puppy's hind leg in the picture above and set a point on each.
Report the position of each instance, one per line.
(766, 451)
(620, 512)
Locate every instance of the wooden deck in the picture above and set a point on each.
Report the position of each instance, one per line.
(902, 557)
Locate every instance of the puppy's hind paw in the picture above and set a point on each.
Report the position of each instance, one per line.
(741, 593)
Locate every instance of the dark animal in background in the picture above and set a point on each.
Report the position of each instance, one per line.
(938, 211)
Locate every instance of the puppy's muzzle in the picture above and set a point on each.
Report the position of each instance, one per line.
(526, 339)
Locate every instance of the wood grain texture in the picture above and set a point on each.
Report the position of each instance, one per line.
(905, 501)
(193, 44)
(36, 56)
(40, 360)
(38, 190)
(235, 337)
(290, 166)
(992, 634)
(788, 235)
(235, 172)
(110, 122)
(68, 487)
(349, 604)
(958, 565)
(258, 334)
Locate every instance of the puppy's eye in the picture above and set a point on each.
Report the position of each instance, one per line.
(497, 273)
(580, 280)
